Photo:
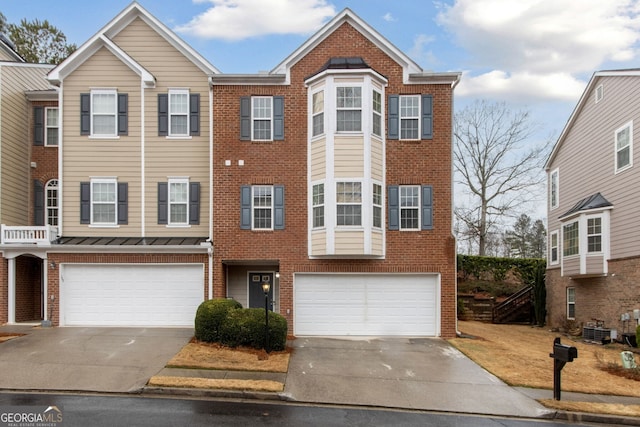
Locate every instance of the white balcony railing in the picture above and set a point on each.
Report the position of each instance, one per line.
(27, 234)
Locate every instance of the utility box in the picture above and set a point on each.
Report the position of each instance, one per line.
(564, 353)
(628, 361)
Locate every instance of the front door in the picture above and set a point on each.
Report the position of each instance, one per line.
(256, 294)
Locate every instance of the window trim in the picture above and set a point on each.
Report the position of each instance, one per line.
(185, 182)
(599, 93)
(92, 133)
(600, 234)
(47, 126)
(565, 247)
(418, 207)
(377, 206)
(555, 261)
(254, 119)
(418, 118)
(629, 126)
(571, 302)
(186, 114)
(51, 185)
(114, 182)
(554, 196)
(376, 116)
(254, 207)
(350, 203)
(360, 108)
(319, 206)
(319, 113)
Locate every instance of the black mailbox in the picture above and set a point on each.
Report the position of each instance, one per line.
(564, 353)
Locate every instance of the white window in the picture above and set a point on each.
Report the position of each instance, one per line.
(51, 194)
(51, 125)
(570, 239)
(178, 112)
(599, 93)
(349, 109)
(349, 203)
(262, 207)
(410, 207)
(554, 187)
(554, 248)
(594, 234)
(103, 201)
(262, 118)
(377, 205)
(104, 109)
(624, 147)
(376, 126)
(571, 303)
(178, 201)
(410, 117)
(318, 206)
(318, 113)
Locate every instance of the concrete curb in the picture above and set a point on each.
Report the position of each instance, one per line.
(585, 417)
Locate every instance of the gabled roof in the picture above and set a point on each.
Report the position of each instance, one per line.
(103, 38)
(633, 72)
(412, 73)
(7, 46)
(595, 201)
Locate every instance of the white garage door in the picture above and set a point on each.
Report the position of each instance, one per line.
(373, 304)
(130, 295)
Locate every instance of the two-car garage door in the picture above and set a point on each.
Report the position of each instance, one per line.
(130, 294)
(366, 304)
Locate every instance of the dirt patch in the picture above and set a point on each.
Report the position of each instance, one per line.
(594, 408)
(209, 383)
(201, 355)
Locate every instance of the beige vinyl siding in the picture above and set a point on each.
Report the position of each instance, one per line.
(377, 165)
(585, 161)
(349, 242)
(595, 264)
(571, 266)
(377, 244)
(318, 159)
(165, 157)
(318, 243)
(349, 157)
(5, 56)
(15, 144)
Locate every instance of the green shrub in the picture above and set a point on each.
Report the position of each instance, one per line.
(210, 316)
(247, 328)
(638, 336)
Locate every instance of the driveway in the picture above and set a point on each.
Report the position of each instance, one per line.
(422, 374)
(87, 359)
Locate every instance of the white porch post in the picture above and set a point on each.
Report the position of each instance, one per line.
(11, 308)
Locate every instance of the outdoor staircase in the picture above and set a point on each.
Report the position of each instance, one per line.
(518, 308)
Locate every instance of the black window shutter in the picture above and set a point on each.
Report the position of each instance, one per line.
(85, 203)
(427, 117)
(38, 125)
(123, 114)
(194, 203)
(278, 207)
(394, 207)
(245, 118)
(245, 207)
(278, 118)
(163, 203)
(163, 114)
(85, 114)
(194, 114)
(123, 203)
(38, 203)
(393, 117)
(427, 207)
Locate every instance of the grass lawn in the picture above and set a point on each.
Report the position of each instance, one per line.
(519, 355)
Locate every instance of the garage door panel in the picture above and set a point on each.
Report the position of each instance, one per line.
(131, 295)
(375, 304)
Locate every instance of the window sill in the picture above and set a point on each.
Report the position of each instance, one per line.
(104, 226)
(174, 137)
(51, 145)
(104, 137)
(178, 225)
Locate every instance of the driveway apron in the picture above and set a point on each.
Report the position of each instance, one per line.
(87, 359)
(427, 374)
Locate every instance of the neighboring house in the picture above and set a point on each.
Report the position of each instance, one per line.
(333, 181)
(593, 267)
(329, 178)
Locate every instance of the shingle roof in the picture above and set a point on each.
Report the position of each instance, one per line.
(594, 201)
(131, 241)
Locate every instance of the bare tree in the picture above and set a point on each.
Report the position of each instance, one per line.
(493, 165)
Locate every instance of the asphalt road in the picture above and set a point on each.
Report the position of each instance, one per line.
(111, 411)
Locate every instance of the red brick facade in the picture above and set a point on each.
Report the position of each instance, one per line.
(285, 162)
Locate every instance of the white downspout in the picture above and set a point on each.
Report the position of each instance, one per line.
(143, 230)
(11, 309)
(210, 251)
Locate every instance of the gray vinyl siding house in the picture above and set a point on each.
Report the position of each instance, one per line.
(593, 266)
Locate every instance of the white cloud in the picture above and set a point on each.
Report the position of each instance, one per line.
(517, 86)
(241, 19)
(388, 17)
(419, 51)
(545, 36)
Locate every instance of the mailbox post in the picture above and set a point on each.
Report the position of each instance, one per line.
(561, 355)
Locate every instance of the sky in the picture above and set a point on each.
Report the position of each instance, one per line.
(533, 55)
